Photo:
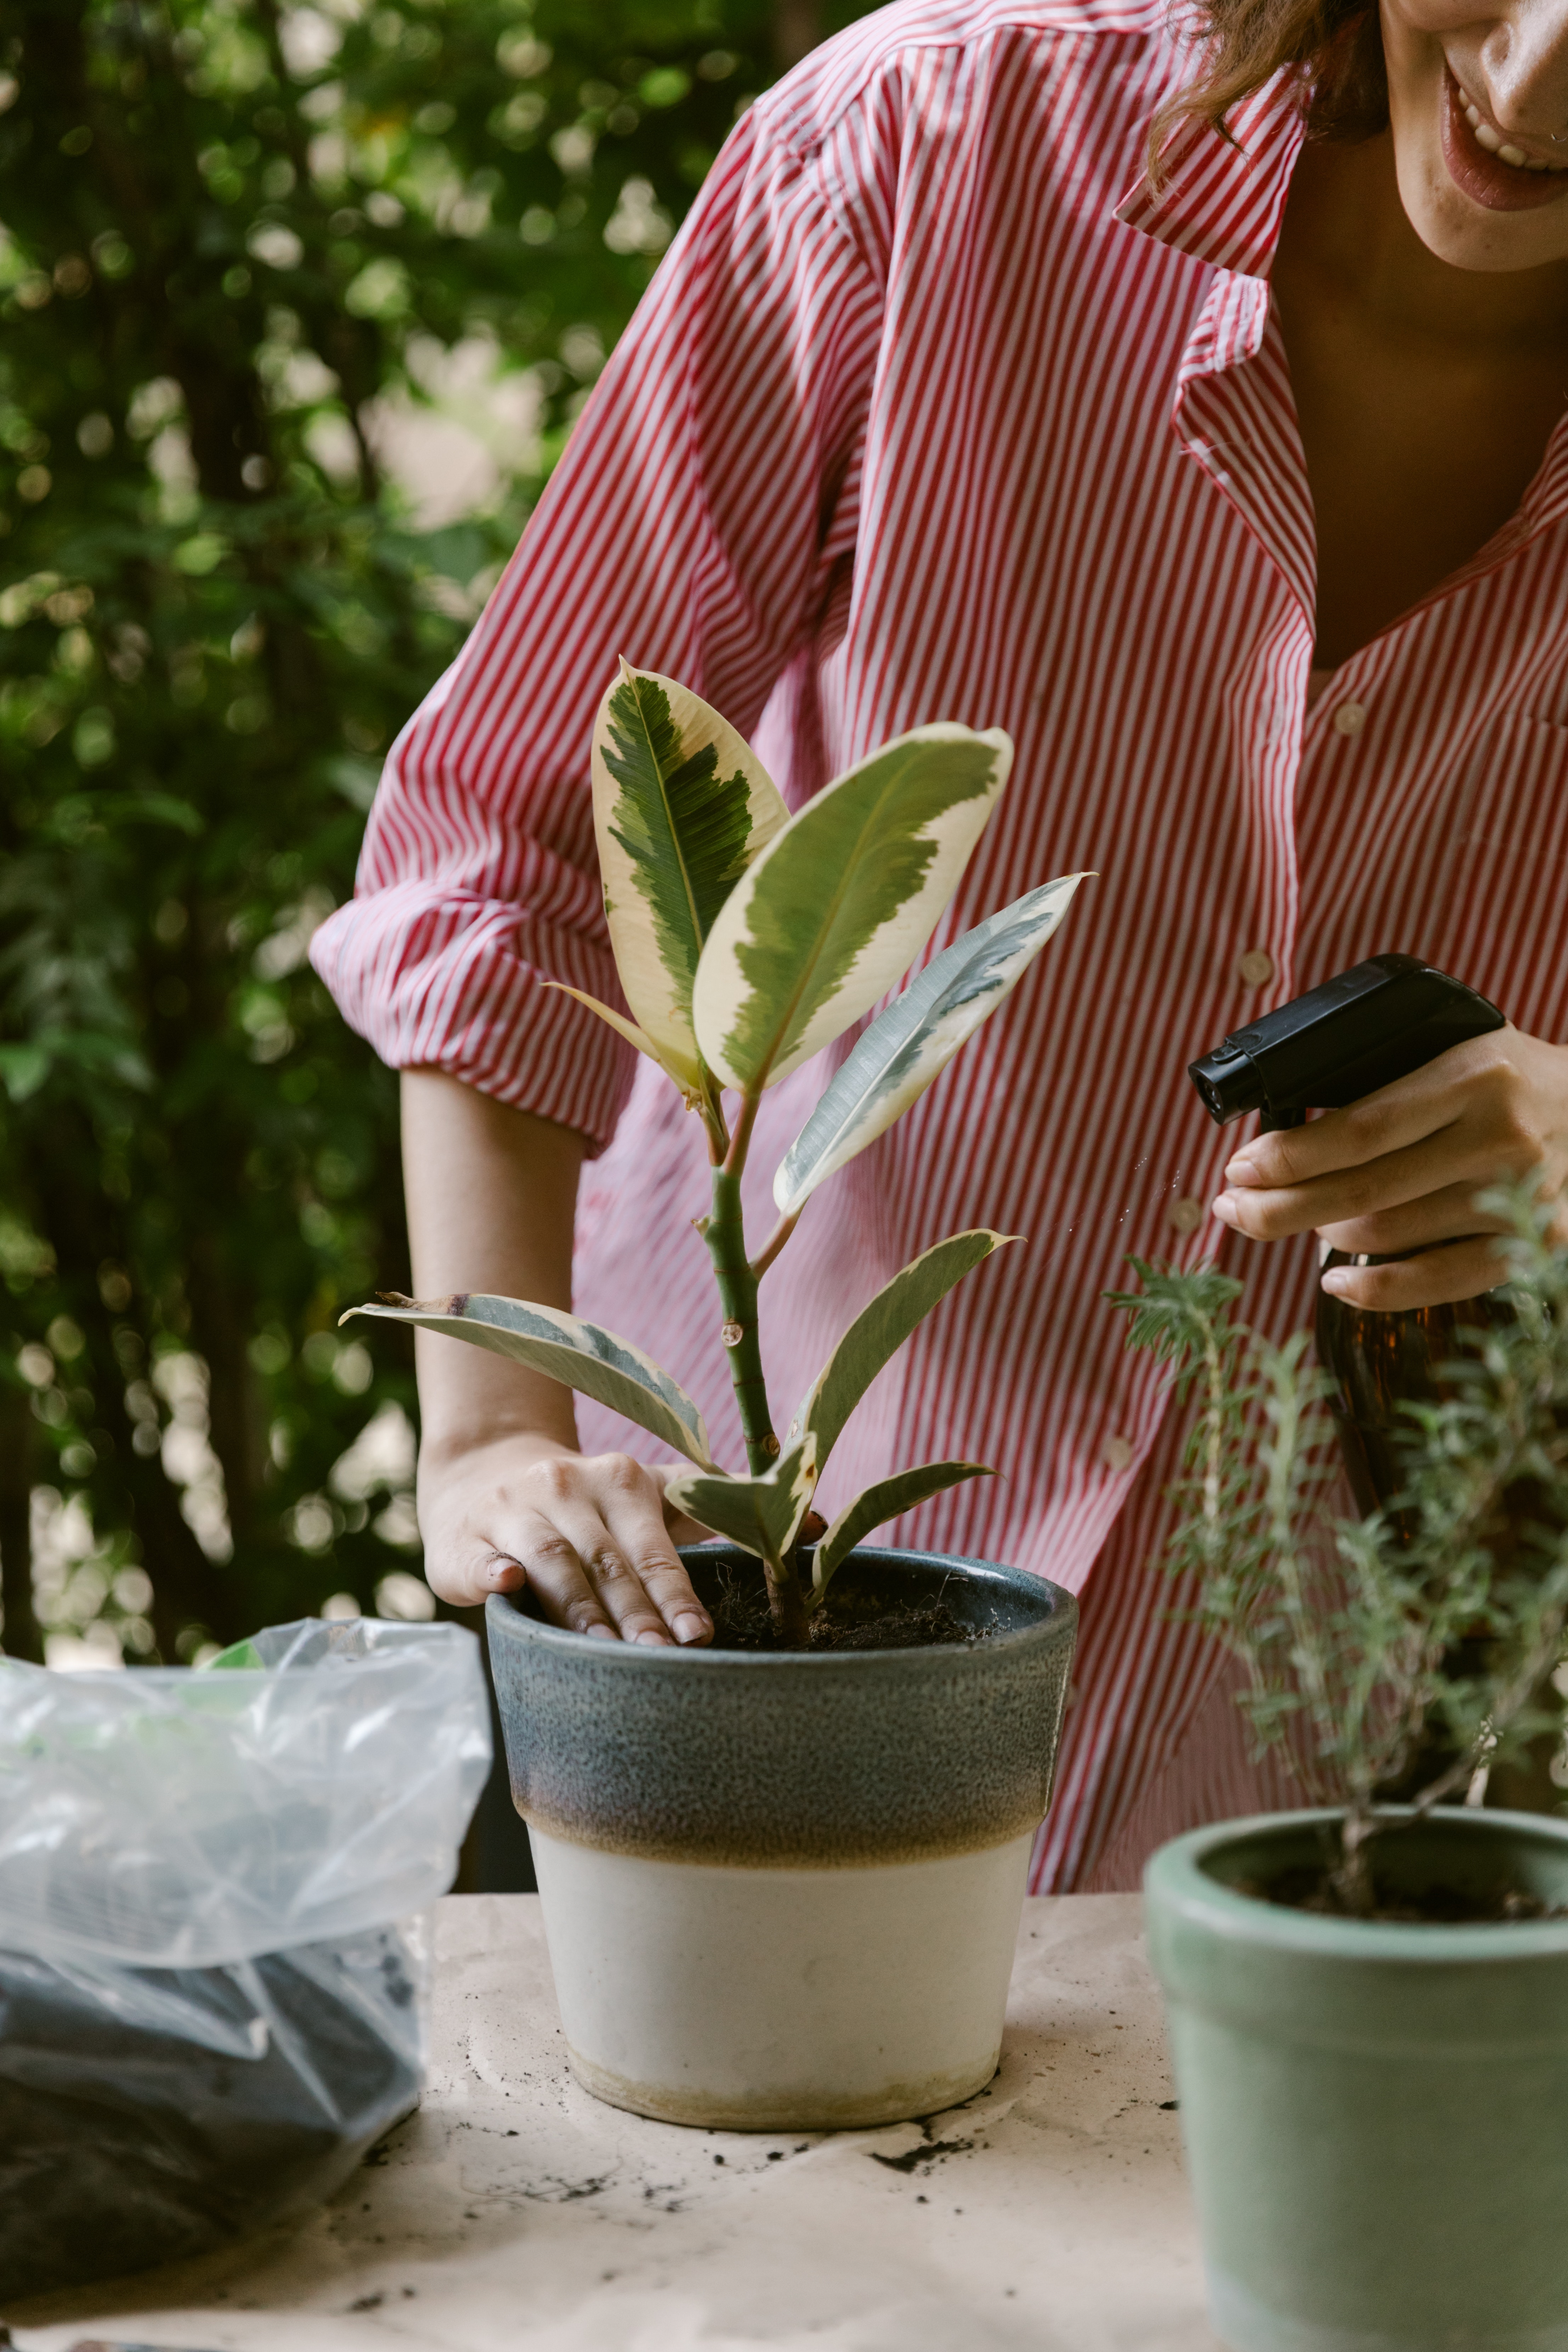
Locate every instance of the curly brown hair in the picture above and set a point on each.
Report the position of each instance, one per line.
(1336, 46)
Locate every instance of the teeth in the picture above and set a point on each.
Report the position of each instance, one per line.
(1495, 143)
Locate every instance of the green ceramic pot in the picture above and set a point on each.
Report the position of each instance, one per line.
(1375, 2115)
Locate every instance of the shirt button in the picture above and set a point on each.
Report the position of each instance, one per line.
(1186, 1215)
(1255, 967)
(1350, 718)
(1117, 1454)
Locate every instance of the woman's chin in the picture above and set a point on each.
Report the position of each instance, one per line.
(1470, 210)
(1464, 234)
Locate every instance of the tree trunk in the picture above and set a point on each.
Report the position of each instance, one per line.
(19, 1628)
(797, 29)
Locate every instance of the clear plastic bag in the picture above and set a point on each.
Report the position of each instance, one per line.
(208, 2007)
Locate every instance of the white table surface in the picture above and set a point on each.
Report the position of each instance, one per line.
(513, 2210)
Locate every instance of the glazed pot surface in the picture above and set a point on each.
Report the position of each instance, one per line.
(782, 1889)
(1375, 2112)
(814, 1758)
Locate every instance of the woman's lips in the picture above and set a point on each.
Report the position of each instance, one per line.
(1484, 177)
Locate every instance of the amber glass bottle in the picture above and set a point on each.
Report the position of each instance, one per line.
(1378, 1364)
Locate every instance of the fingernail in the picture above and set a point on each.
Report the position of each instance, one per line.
(1336, 1282)
(1240, 1170)
(602, 1633)
(1224, 1208)
(650, 1640)
(690, 1628)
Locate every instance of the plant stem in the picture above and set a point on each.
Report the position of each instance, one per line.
(726, 1240)
(725, 1232)
(771, 1247)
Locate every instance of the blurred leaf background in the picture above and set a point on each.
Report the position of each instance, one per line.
(299, 304)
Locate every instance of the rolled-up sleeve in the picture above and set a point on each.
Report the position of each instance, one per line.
(693, 525)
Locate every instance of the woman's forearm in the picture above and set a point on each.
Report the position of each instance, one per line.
(493, 1194)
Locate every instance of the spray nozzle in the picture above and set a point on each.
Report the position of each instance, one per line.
(1358, 1031)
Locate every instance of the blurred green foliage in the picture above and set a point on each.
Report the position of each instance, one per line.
(243, 247)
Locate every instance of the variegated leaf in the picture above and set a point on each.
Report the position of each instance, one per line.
(914, 1040)
(881, 1503)
(681, 806)
(617, 1021)
(579, 1355)
(761, 1515)
(879, 1331)
(842, 901)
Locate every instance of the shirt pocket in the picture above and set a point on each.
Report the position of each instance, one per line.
(1505, 925)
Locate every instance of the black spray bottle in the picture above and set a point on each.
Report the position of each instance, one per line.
(1360, 1031)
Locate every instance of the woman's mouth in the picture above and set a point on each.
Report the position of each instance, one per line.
(1489, 167)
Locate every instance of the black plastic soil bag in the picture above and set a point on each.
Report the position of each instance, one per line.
(149, 2113)
(211, 1972)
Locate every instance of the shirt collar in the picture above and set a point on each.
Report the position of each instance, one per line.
(1223, 200)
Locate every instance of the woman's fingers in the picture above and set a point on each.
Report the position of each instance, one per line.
(1448, 1214)
(1492, 1108)
(613, 1516)
(1439, 1279)
(1483, 1072)
(1380, 1189)
(586, 1535)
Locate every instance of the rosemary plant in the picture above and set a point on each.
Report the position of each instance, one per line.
(745, 941)
(1446, 1612)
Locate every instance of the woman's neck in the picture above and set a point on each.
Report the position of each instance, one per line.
(1425, 395)
(1346, 225)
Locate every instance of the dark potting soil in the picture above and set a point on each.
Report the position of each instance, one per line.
(147, 2115)
(844, 1621)
(1311, 1889)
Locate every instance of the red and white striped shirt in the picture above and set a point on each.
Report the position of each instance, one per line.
(935, 411)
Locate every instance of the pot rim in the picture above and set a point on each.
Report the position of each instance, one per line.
(633, 1658)
(1175, 1882)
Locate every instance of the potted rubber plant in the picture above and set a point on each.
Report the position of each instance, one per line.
(782, 1876)
(1368, 1998)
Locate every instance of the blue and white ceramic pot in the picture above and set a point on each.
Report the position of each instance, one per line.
(782, 1891)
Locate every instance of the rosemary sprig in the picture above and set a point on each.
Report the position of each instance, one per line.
(1347, 1631)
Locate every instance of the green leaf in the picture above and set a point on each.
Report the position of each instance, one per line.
(680, 806)
(761, 1515)
(356, 779)
(914, 1040)
(155, 808)
(879, 1331)
(842, 901)
(201, 554)
(579, 1355)
(23, 1069)
(240, 1656)
(882, 1502)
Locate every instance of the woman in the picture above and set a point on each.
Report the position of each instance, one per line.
(1228, 475)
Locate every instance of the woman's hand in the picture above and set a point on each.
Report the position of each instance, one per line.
(590, 1535)
(505, 1498)
(1400, 1170)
